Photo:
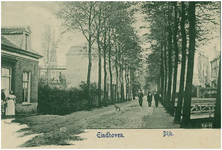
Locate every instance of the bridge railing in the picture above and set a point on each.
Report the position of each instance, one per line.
(203, 105)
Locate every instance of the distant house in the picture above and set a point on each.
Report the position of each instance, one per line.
(215, 64)
(19, 69)
(77, 66)
(201, 73)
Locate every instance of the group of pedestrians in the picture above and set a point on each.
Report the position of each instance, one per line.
(149, 98)
(7, 103)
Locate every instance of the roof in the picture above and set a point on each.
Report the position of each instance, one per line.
(76, 50)
(5, 41)
(15, 30)
(8, 45)
(21, 51)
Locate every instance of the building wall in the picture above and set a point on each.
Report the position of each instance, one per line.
(201, 72)
(77, 67)
(26, 109)
(29, 66)
(215, 68)
(18, 66)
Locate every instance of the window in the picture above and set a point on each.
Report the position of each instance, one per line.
(6, 79)
(26, 86)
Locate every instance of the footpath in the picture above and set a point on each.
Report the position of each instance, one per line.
(159, 119)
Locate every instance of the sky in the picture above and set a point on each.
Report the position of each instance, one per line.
(37, 14)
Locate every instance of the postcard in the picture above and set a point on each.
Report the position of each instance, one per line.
(110, 75)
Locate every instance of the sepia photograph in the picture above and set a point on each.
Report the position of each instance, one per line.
(110, 74)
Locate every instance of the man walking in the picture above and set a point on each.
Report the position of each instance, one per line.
(156, 98)
(149, 99)
(140, 98)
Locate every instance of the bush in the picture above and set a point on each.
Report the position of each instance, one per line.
(61, 101)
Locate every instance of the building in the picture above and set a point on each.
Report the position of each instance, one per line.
(201, 73)
(19, 69)
(215, 64)
(77, 66)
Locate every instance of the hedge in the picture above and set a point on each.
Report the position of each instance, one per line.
(62, 101)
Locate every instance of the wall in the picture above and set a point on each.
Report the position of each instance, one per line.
(29, 66)
(77, 67)
(26, 109)
(18, 67)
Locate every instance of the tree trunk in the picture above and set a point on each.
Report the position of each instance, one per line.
(175, 59)
(99, 63)
(189, 81)
(183, 66)
(126, 81)
(132, 78)
(122, 82)
(99, 66)
(90, 62)
(162, 75)
(217, 113)
(169, 63)
(88, 75)
(117, 75)
(110, 71)
(165, 84)
(105, 72)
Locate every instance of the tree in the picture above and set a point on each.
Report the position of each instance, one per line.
(189, 80)
(183, 64)
(80, 15)
(46, 47)
(217, 113)
(98, 33)
(176, 57)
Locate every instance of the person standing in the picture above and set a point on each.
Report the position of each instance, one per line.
(149, 99)
(141, 98)
(3, 102)
(10, 110)
(156, 98)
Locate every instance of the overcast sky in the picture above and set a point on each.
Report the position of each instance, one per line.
(38, 14)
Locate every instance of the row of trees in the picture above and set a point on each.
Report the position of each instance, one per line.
(107, 28)
(176, 30)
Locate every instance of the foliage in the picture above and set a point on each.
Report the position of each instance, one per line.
(61, 101)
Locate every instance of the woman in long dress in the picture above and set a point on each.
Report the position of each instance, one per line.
(10, 109)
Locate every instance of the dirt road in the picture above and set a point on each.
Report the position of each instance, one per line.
(43, 127)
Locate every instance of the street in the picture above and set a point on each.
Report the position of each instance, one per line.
(130, 116)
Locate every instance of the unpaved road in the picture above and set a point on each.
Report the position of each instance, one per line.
(131, 116)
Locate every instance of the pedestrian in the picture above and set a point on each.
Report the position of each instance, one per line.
(3, 102)
(141, 98)
(149, 99)
(10, 109)
(156, 98)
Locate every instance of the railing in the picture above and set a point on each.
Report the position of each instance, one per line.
(203, 108)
